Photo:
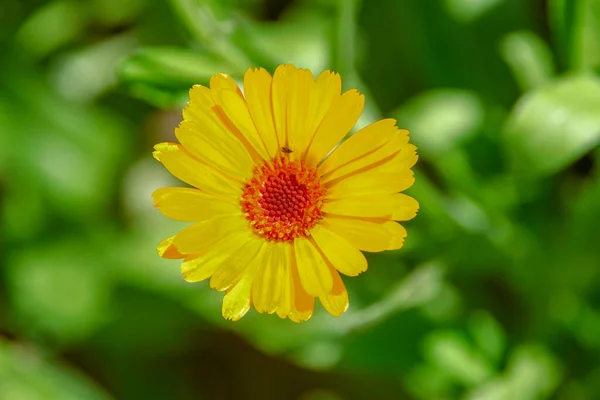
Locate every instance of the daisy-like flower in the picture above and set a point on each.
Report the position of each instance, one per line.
(276, 217)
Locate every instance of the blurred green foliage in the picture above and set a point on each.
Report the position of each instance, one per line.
(495, 295)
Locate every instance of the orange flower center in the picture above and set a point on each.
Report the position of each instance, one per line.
(283, 199)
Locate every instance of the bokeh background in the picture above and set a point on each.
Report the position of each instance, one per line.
(496, 294)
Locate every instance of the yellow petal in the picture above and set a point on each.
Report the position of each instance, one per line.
(303, 303)
(397, 206)
(287, 290)
(202, 236)
(293, 89)
(204, 135)
(326, 89)
(166, 249)
(235, 108)
(376, 183)
(281, 87)
(195, 173)
(312, 268)
(391, 175)
(367, 235)
(339, 252)
(340, 118)
(406, 209)
(224, 81)
(257, 91)
(336, 302)
(202, 266)
(297, 316)
(250, 255)
(236, 302)
(367, 146)
(192, 205)
(268, 284)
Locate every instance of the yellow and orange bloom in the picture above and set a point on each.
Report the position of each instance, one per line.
(276, 217)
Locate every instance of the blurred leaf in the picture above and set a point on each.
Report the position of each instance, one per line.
(418, 288)
(561, 14)
(586, 326)
(164, 66)
(576, 29)
(433, 205)
(67, 151)
(447, 305)
(319, 354)
(52, 26)
(439, 120)
(583, 217)
(316, 343)
(495, 389)
(586, 34)
(533, 372)
(84, 74)
(59, 290)
(529, 57)
(212, 26)
(25, 375)
(470, 10)
(22, 209)
(300, 39)
(344, 56)
(346, 33)
(488, 335)
(553, 126)
(5, 139)
(429, 382)
(451, 352)
(163, 76)
(115, 12)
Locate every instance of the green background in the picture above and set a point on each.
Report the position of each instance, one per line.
(495, 295)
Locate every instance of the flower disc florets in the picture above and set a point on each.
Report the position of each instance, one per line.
(283, 200)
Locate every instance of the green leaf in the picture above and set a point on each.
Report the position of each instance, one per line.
(164, 75)
(84, 74)
(301, 41)
(441, 119)
(561, 16)
(59, 291)
(533, 372)
(446, 306)
(586, 35)
(576, 28)
(529, 58)
(429, 382)
(451, 352)
(470, 10)
(68, 152)
(553, 126)
(25, 374)
(417, 289)
(212, 25)
(51, 26)
(488, 335)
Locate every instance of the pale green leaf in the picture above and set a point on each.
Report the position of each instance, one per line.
(441, 119)
(529, 58)
(553, 126)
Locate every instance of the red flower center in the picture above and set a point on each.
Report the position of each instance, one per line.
(283, 200)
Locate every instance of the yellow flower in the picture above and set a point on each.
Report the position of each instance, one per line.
(276, 219)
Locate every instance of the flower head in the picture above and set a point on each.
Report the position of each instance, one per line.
(276, 217)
